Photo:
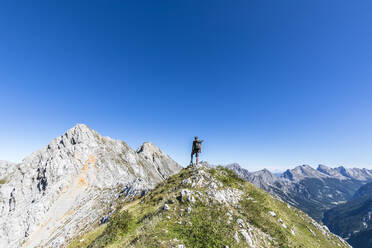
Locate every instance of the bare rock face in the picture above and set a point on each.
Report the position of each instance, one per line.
(61, 190)
(162, 163)
(7, 169)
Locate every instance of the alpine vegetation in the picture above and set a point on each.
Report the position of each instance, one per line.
(208, 207)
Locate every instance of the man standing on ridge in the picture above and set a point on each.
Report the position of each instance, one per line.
(196, 149)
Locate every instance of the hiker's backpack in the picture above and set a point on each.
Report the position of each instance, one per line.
(198, 145)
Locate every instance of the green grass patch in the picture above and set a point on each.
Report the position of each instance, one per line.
(87, 238)
(4, 180)
(205, 228)
(256, 214)
(121, 223)
(228, 177)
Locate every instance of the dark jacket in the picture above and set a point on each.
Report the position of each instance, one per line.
(196, 145)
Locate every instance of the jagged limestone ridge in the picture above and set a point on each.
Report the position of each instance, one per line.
(65, 187)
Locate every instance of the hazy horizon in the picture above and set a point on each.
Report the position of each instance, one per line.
(273, 169)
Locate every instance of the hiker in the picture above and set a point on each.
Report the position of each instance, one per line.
(196, 149)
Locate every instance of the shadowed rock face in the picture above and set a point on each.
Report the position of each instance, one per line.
(353, 219)
(62, 189)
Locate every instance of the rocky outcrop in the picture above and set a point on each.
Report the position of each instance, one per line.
(209, 207)
(61, 190)
(302, 172)
(7, 169)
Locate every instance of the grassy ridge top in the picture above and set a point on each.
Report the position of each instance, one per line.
(203, 207)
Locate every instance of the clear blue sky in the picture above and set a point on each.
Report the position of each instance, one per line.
(266, 83)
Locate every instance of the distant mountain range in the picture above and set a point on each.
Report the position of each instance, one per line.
(79, 181)
(320, 192)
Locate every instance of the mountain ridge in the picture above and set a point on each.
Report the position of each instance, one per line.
(203, 206)
(59, 190)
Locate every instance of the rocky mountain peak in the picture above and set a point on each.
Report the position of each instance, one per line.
(149, 149)
(323, 168)
(75, 179)
(240, 171)
(287, 174)
(262, 178)
(265, 174)
(266, 171)
(78, 138)
(342, 170)
(234, 166)
(80, 128)
(79, 133)
(304, 168)
(301, 172)
(367, 172)
(331, 172)
(163, 164)
(355, 173)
